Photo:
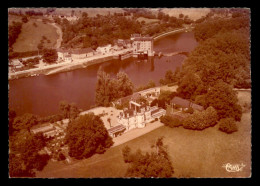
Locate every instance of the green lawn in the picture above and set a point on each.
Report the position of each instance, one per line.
(30, 36)
(193, 154)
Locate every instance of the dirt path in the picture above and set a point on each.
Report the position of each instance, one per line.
(59, 32)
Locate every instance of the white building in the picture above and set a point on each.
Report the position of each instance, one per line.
(104, 49)
(138, 115)
(82, 53)
(143, 45)
(155, 92)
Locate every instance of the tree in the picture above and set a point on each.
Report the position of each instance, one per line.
(70, 111)
(24, 157)
(227, 125)
(125, 85)
(201, 120)
(188, 90)
(165, 97)
(26, 121)
(86, 136)
(109, 89)
(25, 19)
(154, 164)
(102, 90)
(50, 55)
(109, 121)
(224, 99)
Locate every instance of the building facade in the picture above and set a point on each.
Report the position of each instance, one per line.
(143, 45)
(104, 49)
(138, 115)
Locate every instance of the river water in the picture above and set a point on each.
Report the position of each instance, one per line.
(41, 95)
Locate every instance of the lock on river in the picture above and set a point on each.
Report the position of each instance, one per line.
(41, 94)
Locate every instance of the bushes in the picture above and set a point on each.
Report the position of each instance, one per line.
(227, 125)
(201, 120)
(170, 121)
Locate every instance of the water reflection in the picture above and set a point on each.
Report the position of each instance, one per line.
(41, 94)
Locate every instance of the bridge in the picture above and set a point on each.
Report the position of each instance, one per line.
(186, 29)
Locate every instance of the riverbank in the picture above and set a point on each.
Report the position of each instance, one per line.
(66, 66)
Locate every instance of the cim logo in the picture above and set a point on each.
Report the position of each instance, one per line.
(233, 168)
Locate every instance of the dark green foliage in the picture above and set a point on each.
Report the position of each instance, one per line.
(154, 102)
(222, 55)
(109, 89)
(26, 121)
(50, 55)
(211, 27)
(61, 157)
(165, 97)
(70, 111)
(86, 136)
(154, 164)
(224, 99)
(24, 157)
(201, 120)
(170, 121)
(190, 86)
(227, 125)
(25, 19)
(13, 32)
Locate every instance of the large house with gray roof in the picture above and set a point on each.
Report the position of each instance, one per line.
(137, 115)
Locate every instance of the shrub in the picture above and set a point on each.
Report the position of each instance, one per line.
(61, 157)
(227, 125)
(201, 120)
(170, 121)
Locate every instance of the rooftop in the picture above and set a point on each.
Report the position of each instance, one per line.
(179, 101)
(186, 103)
(116, 129)
(143, 39)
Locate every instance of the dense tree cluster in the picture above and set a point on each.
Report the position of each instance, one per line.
(24, 147)
(49, 55)
(109, 89)
(227, 125)
(218, 64)
(13, 32)
(170, 121)
(224, 99)
(97, 31)
(201, 120)
(86, 136)
(154, 164)
(211, 27)
(68, 110)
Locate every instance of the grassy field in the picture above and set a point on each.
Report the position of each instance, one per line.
(147, 21)
(193, 153)
(31, 35)
(193, 13)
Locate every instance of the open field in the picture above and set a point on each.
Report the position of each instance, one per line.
(31, 35)
(147, 21)
(192, 13)
(193, 153)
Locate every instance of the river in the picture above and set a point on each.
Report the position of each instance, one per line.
(41, 95)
